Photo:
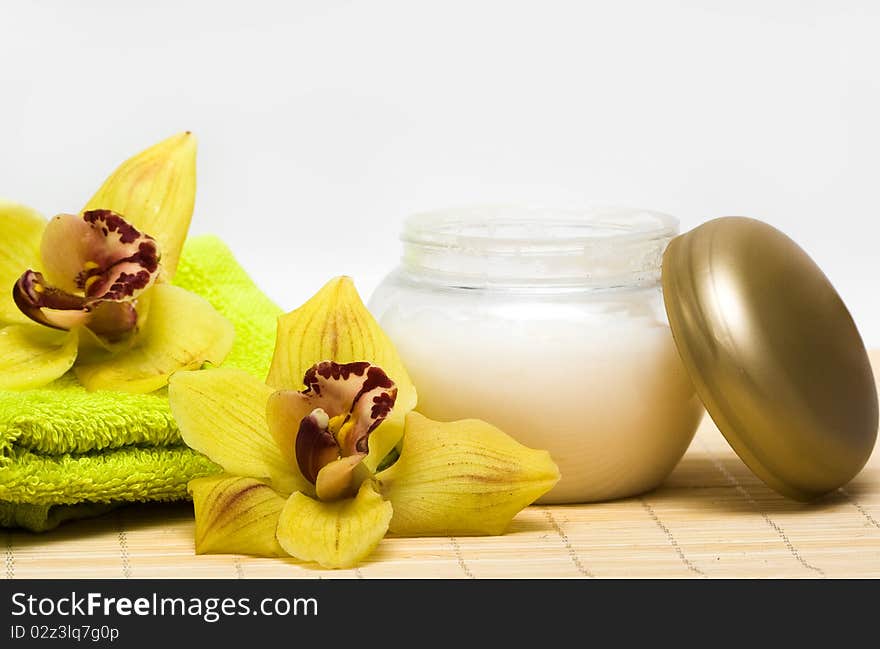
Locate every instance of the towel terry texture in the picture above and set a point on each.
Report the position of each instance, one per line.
(69, 453)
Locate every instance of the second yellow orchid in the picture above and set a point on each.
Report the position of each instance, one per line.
(309, 459)
(91, 291)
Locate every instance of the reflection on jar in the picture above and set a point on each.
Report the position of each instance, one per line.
(551, 326)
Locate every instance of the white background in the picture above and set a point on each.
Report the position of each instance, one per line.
(322, 124)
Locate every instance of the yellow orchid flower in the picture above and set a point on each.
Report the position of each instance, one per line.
(306, 455)
(101, 299)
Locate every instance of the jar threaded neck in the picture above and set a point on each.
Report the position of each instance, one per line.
(519, 247)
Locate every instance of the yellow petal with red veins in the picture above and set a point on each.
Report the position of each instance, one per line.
(236, 515)
(335, 325)
(32, 356)
(222, 414)
(183, 332)
(20, 231)
(462, 477)
(155, 191)
(337, 534)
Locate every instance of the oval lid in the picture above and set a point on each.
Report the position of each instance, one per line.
(773, 353)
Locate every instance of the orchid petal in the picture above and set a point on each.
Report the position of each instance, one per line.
(236, 515)
(155, 192)
(361, 392)
(183, 332)
(99, 254)
(338, 478)
(47, 304)
(33, 356)
(222, 414)
(65, 248)
(335, 325)
(95, 267)
(315, 445)
(20, 232)
(112, 322)
(334, 534)
(284, 412)
(462, 477)
(358, 395)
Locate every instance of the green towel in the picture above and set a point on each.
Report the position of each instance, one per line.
(69, 453)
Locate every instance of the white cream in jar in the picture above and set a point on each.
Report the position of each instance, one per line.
(551, 326)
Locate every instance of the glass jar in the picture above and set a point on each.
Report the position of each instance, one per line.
(550, 325)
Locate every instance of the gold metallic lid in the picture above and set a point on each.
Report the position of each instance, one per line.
(773, 353)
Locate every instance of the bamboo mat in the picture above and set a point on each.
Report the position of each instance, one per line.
(712, 518)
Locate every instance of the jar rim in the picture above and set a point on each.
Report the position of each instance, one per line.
(513, 229)
(530, 247)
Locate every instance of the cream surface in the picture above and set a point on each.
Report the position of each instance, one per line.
(604, 392)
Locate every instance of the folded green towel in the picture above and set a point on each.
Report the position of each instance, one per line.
(69, 453)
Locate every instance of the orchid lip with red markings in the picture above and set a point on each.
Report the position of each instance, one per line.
(95, 267)
(343, 403)
(118, 275)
